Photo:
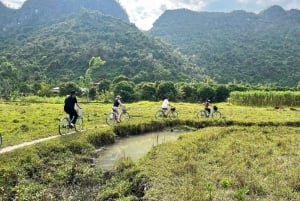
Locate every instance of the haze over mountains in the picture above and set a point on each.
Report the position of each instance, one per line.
(55, 40)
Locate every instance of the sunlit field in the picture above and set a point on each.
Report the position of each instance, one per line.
(23, 121)
(234, 163)
(250, 153)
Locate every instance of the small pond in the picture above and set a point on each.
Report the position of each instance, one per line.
(134, 147)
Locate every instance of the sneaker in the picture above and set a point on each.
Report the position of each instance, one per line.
(72, 125)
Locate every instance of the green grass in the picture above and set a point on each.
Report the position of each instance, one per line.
(28, 121)
(225, 163)
(266, 98)
(256, 160)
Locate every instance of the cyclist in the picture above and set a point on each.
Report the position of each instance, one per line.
(69, 107)
(207, 106)
(164, 106)
(116, 106)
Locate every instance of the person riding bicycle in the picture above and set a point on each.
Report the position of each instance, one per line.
(69, 107)
(207, 106)
(165, 105)
(116, 106)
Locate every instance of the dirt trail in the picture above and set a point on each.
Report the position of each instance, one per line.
(24, 144)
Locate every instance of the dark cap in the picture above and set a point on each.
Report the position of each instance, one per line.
(72, 92)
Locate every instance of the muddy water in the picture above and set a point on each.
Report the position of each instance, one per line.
(134, 147)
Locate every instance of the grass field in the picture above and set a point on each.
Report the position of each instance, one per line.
(28, 121)
(234, 163)
(251, 153)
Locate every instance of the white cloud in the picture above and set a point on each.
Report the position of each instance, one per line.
(13, 3)
(143, 13)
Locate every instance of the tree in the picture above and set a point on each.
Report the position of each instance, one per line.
(120, 78)
(8, 77)
(222, 93)
(206, 92)
(186, 91)
(87, 81)
(166, 89)
(65, 88)
(126, 90)
(104, 86)
(147, 91)
(44, 90)
(93, 93)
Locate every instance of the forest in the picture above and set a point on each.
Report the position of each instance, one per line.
(238, 48)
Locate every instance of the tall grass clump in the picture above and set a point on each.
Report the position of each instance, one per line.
(266, 98)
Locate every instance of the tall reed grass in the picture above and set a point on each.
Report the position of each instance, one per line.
(266, 98)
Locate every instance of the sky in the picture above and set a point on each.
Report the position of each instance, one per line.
(143, 13)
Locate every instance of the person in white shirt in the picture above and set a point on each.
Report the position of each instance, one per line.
(165, 105)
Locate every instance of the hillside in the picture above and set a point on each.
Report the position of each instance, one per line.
(61, 51)
(35, 13)
(237, 46)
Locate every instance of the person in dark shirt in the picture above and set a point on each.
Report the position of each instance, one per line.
(116, 106)
(69, 107)
(207, 106)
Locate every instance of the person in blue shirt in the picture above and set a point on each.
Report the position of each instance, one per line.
(69, 107)
(116, 106)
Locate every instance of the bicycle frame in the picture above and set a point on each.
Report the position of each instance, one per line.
(171, 113)
(215, 114)
(65, 124)
(122, 116)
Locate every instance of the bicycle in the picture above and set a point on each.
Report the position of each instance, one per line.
(112, 117)
(65, 126)
(215, 114)
(172, 114)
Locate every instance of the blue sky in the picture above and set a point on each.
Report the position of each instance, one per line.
(143, 13)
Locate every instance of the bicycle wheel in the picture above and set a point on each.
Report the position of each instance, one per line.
(159, 114)
(173, 115)
(124, 117)
(79, 124)
(64, 126)
(202, 114)
(216, 115)
(111, 119)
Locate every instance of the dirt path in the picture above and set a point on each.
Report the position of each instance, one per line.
(24, 144)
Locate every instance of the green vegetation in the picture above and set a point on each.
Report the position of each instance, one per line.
(29, 121)
(61, 52)
(237, 46)
(256, 159)
(234, 163)
(266, 98)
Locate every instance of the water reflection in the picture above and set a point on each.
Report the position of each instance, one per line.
(134, 147)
